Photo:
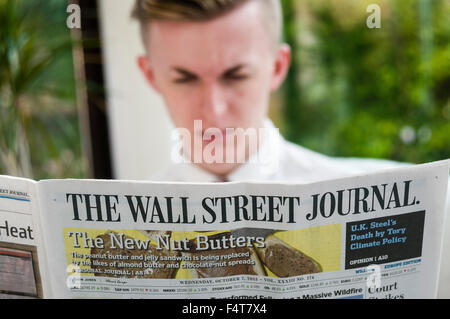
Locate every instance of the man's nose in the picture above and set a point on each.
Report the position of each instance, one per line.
(214, 102)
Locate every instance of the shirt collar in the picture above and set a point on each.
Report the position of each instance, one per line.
(261, 166)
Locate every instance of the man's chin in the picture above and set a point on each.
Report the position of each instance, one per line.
(220, 170)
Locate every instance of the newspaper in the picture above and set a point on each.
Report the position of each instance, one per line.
(372, 236)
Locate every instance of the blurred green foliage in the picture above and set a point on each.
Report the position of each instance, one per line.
(360, 92)
(39, 135)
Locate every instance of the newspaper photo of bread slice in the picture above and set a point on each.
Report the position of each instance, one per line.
(129, 267)
(286, 261)
(155, 235)
(247, 264)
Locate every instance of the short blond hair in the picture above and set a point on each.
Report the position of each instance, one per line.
(146, 11)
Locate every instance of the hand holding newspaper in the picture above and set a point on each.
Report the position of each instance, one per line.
(372, 236)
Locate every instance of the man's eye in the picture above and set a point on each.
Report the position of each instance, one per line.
(186, 79)
(235, 77)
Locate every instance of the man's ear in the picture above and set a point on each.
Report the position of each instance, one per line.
(147, 70)
(281, 66)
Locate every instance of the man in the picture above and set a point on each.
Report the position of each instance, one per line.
(216, 62)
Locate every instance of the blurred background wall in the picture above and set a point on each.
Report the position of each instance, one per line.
(139, 125)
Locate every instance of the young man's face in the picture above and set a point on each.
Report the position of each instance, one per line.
(220, 71)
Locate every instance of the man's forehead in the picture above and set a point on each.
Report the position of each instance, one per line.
(230, 39)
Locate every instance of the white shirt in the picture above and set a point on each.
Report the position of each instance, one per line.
(300, 165)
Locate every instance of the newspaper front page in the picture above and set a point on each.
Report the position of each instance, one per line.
(374, 236)
(19, 265)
